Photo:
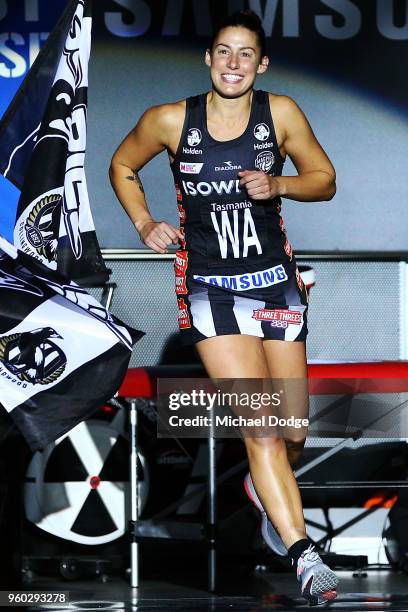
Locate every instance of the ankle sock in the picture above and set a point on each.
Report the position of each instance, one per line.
(297, 549)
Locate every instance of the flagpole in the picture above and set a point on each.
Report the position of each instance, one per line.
(134, 496)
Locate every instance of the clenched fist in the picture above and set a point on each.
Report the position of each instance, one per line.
(259, 185)
(158, 235)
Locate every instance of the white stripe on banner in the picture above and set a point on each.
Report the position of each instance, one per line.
(8, 248)
(19, 147)
(77, 217)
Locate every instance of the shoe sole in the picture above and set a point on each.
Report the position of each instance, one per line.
(322, 599)
(250, 491)
(321, 587)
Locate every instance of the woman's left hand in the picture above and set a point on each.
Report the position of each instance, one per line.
(259, 185)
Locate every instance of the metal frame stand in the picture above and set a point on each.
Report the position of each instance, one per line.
(212, 510)
(139, 529)
(134, 495)
(108, 290)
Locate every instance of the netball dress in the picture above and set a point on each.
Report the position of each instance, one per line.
(235, 272)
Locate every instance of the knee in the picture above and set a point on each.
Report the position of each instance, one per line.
(295, 445)
(258, 447)
(294, 450)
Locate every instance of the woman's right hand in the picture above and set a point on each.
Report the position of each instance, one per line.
(158, 235)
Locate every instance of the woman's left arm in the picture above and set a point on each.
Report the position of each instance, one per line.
(316, 180)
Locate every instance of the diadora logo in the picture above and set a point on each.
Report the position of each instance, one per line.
(190, 168)
(264, 161)
(206, 189)
(261, 132)
(194, 137)
(228, 165)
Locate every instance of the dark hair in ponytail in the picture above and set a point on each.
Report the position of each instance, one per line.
(244, 19)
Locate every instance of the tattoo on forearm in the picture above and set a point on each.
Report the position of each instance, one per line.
(135, 178)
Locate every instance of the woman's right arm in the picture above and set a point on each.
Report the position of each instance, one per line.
(150, 137)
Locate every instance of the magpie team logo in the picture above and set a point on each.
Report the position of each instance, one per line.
(42, 226)
(194, 137)
(264, 161)
(262, 132)
(32, 356)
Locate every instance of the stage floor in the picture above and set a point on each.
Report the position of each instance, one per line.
(379, 591)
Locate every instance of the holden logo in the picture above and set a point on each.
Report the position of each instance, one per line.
(262, 132)
(194, 137)
(264, 161)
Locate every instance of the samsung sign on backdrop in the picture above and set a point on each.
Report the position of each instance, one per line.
(25, 24)
(334, 19)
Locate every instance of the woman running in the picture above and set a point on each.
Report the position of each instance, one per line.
(241, 299)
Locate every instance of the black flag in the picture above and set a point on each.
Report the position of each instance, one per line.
(42, 151)
(62, 354)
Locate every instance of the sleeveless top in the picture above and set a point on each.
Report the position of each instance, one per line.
(230, 241)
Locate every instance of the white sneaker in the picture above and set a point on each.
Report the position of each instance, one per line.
(318, 581)
(269, 533)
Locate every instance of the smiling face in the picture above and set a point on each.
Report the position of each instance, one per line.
(234, 61)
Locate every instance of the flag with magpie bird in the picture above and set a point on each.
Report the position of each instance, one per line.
(62, 354)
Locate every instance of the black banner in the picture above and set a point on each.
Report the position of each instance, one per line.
(42, 151)
(62, 354)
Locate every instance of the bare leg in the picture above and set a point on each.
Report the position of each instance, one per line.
(235, 356)
(239, 356)
(294, 451)
(288, 360)
(271, 474)
(276, 487)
